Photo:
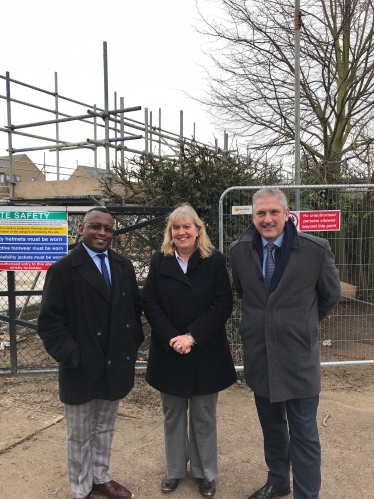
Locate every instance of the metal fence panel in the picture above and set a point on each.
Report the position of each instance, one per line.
(347, 335)
(21, 350)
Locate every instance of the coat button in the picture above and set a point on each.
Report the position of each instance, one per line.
(123, 294)
(98, 333)
(109, 362)
(261, 279)
(128, 325)
(128, 358)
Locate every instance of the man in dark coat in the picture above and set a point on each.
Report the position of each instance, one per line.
(90, 324)
(288, 282)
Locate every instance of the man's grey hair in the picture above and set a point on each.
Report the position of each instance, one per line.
(266, 192)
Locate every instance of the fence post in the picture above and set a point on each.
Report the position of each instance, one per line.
(12, 321)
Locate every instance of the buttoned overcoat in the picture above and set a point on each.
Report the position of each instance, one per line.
(199, 302)
(280, 331)
(94, 336)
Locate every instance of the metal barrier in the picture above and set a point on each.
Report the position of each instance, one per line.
(347, 335)
(139, 231)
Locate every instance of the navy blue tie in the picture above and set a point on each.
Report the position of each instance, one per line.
(269, 264)
(104, 270)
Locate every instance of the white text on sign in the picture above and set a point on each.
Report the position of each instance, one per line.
(316, 220)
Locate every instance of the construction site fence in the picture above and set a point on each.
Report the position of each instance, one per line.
(347, 334)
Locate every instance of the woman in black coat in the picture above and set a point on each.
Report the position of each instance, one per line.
(187, 300)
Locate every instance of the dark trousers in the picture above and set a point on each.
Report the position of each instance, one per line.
(291, 436)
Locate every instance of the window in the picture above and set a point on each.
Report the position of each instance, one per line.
(5, 178)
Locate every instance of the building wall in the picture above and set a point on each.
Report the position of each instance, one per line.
(79, 172)
(94, 173)
(79, 186)
(25, 170)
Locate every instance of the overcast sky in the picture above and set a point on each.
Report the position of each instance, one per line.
(154, 55)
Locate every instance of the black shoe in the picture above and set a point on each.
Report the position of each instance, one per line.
(169, 484)
(207, 489)
(270, 492)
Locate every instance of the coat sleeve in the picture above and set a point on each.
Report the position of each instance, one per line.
(328, 290)
(137, 303)
(53, 326)
(235, 276)
(158, 320)
(216, 314)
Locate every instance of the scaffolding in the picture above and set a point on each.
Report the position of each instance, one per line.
(115, 124)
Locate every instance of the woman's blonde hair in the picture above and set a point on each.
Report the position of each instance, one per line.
(184, 212)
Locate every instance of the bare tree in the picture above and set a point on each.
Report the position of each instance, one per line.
(251, 79)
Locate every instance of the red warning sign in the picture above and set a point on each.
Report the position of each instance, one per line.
(316, 220)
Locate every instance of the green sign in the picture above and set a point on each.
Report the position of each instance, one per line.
(32, 215)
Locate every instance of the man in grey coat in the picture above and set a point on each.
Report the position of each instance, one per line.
(288, 282)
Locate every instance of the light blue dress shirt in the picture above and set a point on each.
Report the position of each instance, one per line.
(278, 242)
(97, 261)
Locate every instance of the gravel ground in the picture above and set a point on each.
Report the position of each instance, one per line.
(32, 440)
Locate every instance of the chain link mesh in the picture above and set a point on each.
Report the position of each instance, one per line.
(347, 335)
(137, 245)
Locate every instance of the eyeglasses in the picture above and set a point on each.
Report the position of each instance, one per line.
(97, 227)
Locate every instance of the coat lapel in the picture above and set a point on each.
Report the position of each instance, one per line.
(170, 267)
(118, 272)
(87, 269)
(193, 262)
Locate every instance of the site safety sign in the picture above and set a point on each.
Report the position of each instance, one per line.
(316, 220)
(32, 239)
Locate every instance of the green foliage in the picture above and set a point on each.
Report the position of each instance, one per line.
(199, 176)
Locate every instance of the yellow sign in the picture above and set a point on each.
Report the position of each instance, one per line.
(33, 229)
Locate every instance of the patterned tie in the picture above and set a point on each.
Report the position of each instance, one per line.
(104, 270)
(269, 264)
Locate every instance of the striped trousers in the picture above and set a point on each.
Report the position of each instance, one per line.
(89, 436)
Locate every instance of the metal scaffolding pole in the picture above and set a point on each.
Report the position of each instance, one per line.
(77, 145)
(122, 131)
(57, 129)
(180, 133)
(150, 133)
(115, 111)
(57, 121)
(48, 92)
(95, 137)
(115, 132)
(16, 101)
(106, 105)
(12, 321)
(10, 147)
(297, 102)
(159, 129)
(146, 130)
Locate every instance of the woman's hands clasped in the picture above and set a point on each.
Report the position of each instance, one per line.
(181, 344)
